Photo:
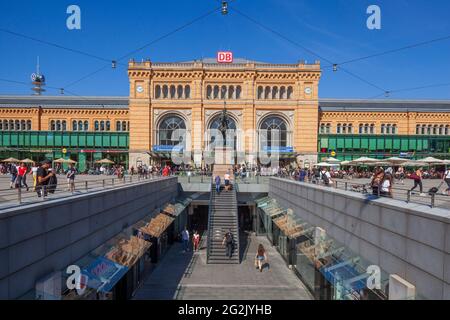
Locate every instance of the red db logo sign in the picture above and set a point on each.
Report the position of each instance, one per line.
(225, 57)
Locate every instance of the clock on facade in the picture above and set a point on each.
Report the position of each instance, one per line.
(308, 90)
(140, 89)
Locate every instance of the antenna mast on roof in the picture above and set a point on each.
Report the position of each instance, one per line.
(38, 80)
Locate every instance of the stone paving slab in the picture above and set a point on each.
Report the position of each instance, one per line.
(186, 276)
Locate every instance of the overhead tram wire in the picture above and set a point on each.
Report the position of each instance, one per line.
(412, 89)
(166, 35)
(306, 49)
(411, 46)
(52, 44)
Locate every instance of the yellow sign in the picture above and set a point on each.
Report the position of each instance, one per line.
(333, 153)
(64, 150)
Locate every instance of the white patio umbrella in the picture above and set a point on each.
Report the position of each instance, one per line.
(11, 160)
(324, 164)
(412, 163)
(332, 160)
(431, 160)
(395, 160)
(364, 160)
(345, 163)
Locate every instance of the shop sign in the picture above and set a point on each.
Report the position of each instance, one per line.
(166, 148)
(279, 149)
(103, 274)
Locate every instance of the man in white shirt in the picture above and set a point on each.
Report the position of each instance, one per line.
(226, 178)
(185, 239)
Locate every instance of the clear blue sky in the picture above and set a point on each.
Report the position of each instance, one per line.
(336, 29)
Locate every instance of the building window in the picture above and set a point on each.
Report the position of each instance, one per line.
(231, 92)
(157, 92)
(446, 130)
(289, 92)
(260, 92)
(74, 125)
(350, 128)
(274, 92)
(118, 126)
(209, 92)
(281, 134)
(238, 92)
(283, 93)
(187, 92)
(338, 129)
(166, 129)
(96, 126)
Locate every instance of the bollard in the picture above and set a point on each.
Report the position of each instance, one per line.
(19, 194)
(86, 185)
(346, 186)
(433, 195)
(408, 196)
(103, 183)
(112, 182)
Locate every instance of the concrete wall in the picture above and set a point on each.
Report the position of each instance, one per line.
(38, 239)
(410, 240)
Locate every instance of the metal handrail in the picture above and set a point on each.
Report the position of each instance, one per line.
(210, 232)
(18, 196)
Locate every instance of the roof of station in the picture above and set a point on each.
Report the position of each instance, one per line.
(121, 102)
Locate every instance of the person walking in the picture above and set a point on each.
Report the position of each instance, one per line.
(446, 178)
(228, 242)
(196, 240)
(401, 174)
(43, 177)
(417, 177)
(33, 173)
(261, 257)
(13, 172)
(217, 181)
(326, 177)
(185, 239)
(226, 179)
(386, 186)
(22, 176)
(71, 178)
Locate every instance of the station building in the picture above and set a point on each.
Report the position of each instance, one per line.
(259, 97)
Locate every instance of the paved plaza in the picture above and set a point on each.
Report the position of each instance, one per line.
(186, 276)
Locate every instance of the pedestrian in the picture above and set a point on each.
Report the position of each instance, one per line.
(13, 172)
(70, 175)
(217, 181)
(417, 177)
(196, 240)
(226, 179)
(377, 180)
(185, 239)
(52, 182)
(386, 186)
(33, 172)
(22, 176)
(261, 257)
(228, 242)
(326, 177)
(43, 177)
(401, 174)
(302, 175)
(446, 178)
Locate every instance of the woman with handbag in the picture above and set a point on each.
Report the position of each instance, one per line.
(261, 257)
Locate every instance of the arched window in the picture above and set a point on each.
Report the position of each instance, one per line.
(86, 125)
(187, 92)
(260, 92)
(102, 125)
(5, 125)
(429, 129)
(383, 129)
(231, 92)
(96, 126)
(172, 92)
(157, 91)
(274, 92)
(80, 126)
(52, 125)
(23, 125)
(423, 130)
(283, 93)
(58, 125)
(64, 125)
(1, 125)
(435, 130)
(446, 130)
(223, 92)
(441, 129)
(180, 92)
(124, 126)
(238, 92)
(344, 128)
(74, 125)
(372, 128)
(350, 128)
(216, 92)
(418, 129)
(165, 92)
(394, 129)
(208, 92)
(276, 125)
(118, 126)
(338, 128)
(267, 93)
(17, 125)
(108, 125)
(166, 128)
(361, 129)
(328, 128)
(289, 92)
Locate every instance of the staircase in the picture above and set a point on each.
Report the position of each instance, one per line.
(223, 216)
